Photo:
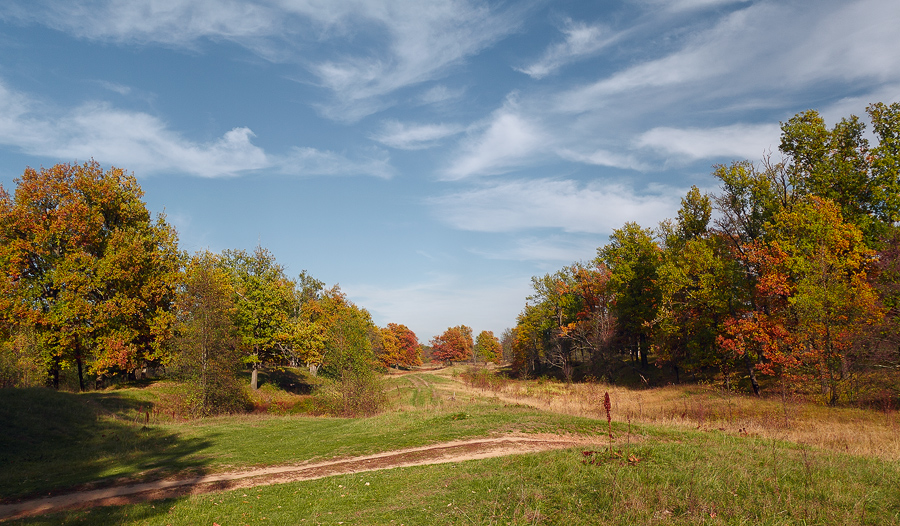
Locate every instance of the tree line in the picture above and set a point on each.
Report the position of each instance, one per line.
(93, 287)
(789, 276)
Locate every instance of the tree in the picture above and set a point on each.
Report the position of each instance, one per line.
(209, 354)
(839, 165)
(85, 268)
(265, 301)
(410, 352)
(812, 298)
(386, 346)
(347, 359)
(487, 346)
(633, 259)
(831, 299)
(507, 339)
(455, 344)
(347, 333)
(697, 283)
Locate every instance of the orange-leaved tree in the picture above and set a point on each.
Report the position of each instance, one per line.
(812, 298)
(83, 265)
(410, 352)
(455, 344)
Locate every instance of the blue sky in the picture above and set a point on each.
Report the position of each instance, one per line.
(430, 157)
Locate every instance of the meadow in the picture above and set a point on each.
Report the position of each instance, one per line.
(678, 455)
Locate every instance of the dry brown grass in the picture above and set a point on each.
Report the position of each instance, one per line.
(863, 432)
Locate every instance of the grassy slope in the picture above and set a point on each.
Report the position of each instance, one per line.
(54, 440)
(683, 476)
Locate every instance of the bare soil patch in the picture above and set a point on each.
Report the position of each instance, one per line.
(457, 451)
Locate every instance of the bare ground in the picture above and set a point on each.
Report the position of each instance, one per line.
(447, 452)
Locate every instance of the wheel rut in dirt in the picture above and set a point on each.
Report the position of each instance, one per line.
(457, 451)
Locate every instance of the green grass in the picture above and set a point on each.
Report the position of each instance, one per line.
(677, 476)
(702, 478)
(56, 440)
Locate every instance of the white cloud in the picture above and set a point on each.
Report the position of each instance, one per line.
(603, 158)
(848, 43)
(740, 141)
(549, 203)
(692, 66)
(582, 40)
(507, 140)
(144, 144)
(364, 49)
(440, 94)
(133, 140)
(423, 39)
(169, 22)
(114, 87)
(764, 47)
(310, 162)
(414, 136)
(689, 5)
(555, 249)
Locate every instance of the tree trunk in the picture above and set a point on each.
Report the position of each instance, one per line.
(643, 352)
(53, 377)
(254, 376)
(752, 372)
(80, 372)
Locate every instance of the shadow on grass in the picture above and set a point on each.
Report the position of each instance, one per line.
(53, 441)
(142, 513)
(293, 380)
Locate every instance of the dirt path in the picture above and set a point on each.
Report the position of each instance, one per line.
(435, 454)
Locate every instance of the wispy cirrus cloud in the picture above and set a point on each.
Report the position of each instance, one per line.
(361, 51)
(553, 249)
(178, 23)
(138, 141)
(689, 5)
(762, 47)
(414, 136)
(313, 162)
(567, 205)
(737, 140)
(582, 40)
(145, 144)
(507, 139)
(454, 31)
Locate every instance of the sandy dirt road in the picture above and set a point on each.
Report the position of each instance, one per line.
(446, 452)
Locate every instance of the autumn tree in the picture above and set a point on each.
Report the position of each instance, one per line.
(86, 270)
(507, 339)
(697, 283)
(633, 258)
(385, 346)
(208, 347)
(527, 340)
(487, 346)
(838, 164)
(831, 298)
(347, 358)
(410, 350)
(455, 344)
(264, 303)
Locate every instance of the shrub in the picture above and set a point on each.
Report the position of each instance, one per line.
(352, 395)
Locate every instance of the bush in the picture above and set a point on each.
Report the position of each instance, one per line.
(352, 395)
(227, 396)
(20, 364)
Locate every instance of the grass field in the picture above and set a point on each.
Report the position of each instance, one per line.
(665, 471)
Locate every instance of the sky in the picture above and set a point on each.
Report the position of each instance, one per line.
(429, 157)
